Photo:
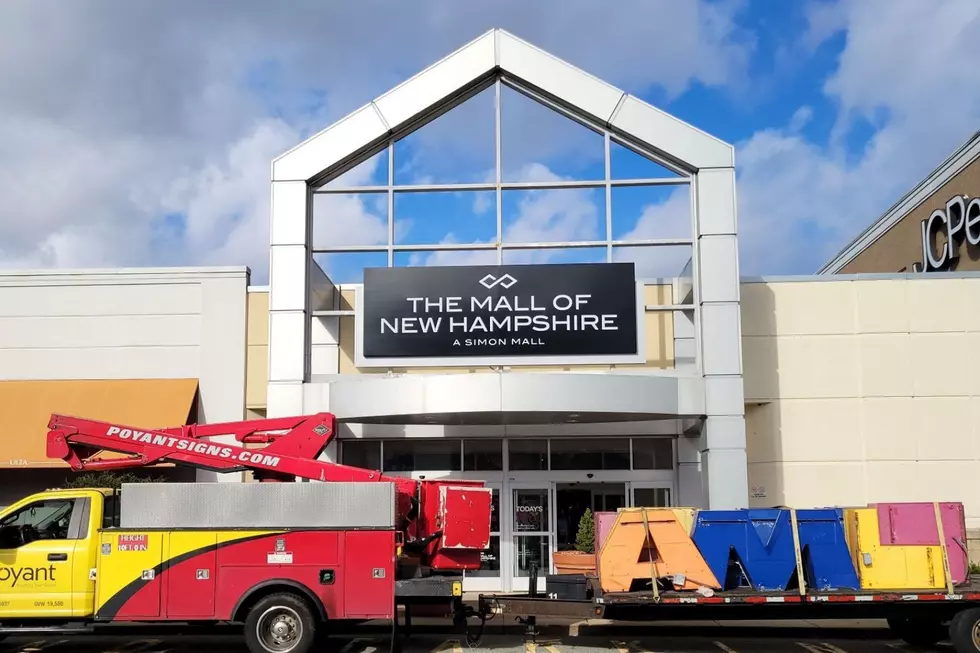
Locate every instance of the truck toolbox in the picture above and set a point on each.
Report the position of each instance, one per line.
(570, 587)
(258, 505)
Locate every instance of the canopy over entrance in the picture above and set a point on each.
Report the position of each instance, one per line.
(513, 398)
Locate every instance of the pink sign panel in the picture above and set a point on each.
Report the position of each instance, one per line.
(603, 524)
(914, 523)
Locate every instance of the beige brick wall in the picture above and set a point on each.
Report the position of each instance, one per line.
(257, 353)
(862, 391)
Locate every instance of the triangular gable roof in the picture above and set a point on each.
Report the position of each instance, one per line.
(495, 52)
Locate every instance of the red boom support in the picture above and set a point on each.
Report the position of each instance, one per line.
(292, 445)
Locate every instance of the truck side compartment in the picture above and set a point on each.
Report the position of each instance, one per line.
(206, 575)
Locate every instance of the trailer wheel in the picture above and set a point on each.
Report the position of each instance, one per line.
(964, 631)
(280, 623)
(918, 632)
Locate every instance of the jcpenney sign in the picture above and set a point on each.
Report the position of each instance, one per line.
(442, 315)
(959, 220)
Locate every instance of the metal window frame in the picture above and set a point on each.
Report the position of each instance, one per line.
(611, 245)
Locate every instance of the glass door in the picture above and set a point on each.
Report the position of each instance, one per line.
(646, 494)
(487, 577)
(531, 525)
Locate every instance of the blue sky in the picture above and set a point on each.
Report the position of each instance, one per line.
(144, 136)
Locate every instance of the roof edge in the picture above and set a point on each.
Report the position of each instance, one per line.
(861, 276)
(963, 156)
(123, 272)
(492, 53)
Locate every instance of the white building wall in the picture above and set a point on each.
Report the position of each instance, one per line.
(130, 323)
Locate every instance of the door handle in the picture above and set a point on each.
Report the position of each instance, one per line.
(57, 557)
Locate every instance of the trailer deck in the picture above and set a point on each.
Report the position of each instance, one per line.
(911, 614)
(969, 592)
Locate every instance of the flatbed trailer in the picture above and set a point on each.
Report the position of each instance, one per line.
(923, 617)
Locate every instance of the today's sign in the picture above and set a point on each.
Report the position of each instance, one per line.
(515, 311)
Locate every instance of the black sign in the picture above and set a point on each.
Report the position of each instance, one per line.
(513, 310)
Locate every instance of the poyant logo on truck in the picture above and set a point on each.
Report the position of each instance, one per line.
(195, 446)
(19, 575)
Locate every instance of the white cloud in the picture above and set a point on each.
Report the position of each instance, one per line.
(668, 219)
(909, 69)
(571, 215)
(352, 219)
(111, 117)
(553, 215)
(454, 256)
(543, 216)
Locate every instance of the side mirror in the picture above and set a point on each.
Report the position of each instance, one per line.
(10, 537)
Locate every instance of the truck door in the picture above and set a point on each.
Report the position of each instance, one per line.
(37, 543)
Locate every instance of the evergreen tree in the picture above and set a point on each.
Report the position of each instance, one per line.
(585, 538)
(108, 479)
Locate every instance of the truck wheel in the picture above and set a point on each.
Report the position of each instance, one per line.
(280, 623)
(918, 632)
(964, 631)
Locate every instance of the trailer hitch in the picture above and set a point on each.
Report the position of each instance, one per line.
(530, 622)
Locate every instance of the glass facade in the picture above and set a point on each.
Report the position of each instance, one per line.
(540, 488)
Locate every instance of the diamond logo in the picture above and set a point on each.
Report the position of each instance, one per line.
(491, 281)
(320, 430)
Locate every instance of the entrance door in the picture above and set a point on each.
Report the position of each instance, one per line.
(531, 524)
(488, 576)
(644, 494)
(573, 499)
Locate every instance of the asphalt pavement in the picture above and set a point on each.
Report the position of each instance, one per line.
(690, 637)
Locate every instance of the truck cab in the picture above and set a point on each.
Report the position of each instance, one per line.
(48, 554)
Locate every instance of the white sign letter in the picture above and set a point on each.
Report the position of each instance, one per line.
(562, 302)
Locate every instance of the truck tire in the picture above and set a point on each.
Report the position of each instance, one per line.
(280, 623)
(964, 631)
(917, 632)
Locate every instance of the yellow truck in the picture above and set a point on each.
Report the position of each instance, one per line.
(72, 559)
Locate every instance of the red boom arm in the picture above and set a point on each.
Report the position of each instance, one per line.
(292, 445)
(286, 456)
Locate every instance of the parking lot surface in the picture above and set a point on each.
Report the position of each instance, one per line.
(708, 637)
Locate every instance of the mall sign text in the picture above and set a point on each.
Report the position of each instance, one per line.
(959, 220)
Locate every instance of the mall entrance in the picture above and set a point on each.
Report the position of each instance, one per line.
(545, 518)
(573, 499)
(541, 488)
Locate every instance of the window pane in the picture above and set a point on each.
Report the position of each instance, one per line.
(651, 497)
(422, 455)
(531, 511)
(590, 453)
(489, 561)
(361, 453)
(653, 453)
(483, 455)
(495, 511)
(531, 550)
(527, 454)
